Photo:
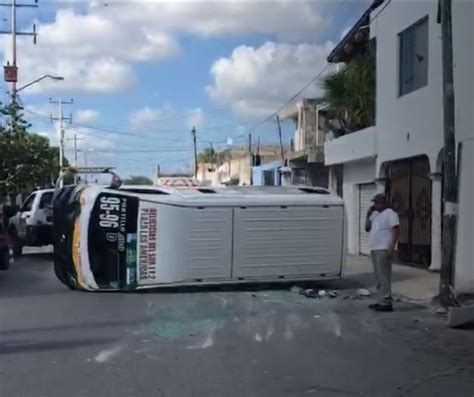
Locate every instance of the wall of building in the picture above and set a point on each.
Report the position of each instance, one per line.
(257, 172)
(355, 173)
(463, 33)
(355, 146)
(411, 124)
(207, 175)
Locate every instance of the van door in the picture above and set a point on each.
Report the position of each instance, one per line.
(44, 213)
(26, 211)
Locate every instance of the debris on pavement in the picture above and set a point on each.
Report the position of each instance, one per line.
(363, 292)
(310, 293)
(316, 316)
(296, 289)
(441, 311)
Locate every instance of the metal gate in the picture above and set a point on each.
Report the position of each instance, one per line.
(409, 190)
(366, 193)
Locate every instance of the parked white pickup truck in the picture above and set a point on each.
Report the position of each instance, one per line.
(32, 225)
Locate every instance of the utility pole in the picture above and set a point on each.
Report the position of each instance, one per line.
(281, 140)
(11, 69)
(75, 139)
(157, 174)
(450, 190)
(61, 131)
(193, 132)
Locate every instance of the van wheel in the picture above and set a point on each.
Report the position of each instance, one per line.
(17, 245)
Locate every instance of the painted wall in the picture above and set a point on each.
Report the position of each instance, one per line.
(463, 33)
(257, 172)
(464, 272)
(412, 124)
(355, 146)
(355, 173)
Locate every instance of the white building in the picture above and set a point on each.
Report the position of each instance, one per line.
(402, 153)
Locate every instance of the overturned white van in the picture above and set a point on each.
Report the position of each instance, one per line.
(143, 237)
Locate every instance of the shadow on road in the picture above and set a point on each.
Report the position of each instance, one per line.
(13, 347)
(257, 286)
(37, 257)
(75, 327)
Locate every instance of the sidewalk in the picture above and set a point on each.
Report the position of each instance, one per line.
(407, 282)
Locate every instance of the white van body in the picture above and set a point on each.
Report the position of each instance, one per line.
(33, 223)
(226, 235)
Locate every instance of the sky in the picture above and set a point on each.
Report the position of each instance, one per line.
(141, 74)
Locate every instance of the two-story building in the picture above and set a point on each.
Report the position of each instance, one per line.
(234, 164)
(402, 153)
(305, 160)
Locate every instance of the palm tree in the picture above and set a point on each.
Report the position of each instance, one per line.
(350, 93)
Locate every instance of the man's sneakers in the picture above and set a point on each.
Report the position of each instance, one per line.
(381, 307)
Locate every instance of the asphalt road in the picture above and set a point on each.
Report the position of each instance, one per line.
(55, 342)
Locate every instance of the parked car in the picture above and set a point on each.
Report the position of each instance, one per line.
(32, 225)
(5, 252)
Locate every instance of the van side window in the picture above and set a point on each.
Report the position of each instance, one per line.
(28, 204)
(46, 200)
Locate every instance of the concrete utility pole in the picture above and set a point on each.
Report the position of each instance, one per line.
(75, 139)
(450, 189)
(282, 152)
(193, 132)
(61, 131)
(11, 70)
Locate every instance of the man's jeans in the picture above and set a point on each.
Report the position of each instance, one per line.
(382, 262)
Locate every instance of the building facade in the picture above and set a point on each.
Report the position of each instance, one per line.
(402, 153)
(305, 160)
(234, 164)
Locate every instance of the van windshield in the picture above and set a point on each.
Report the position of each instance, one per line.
(112, 240)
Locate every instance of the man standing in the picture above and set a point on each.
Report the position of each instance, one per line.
(382, 223)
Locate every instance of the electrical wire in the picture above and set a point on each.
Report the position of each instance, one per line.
(301, 90)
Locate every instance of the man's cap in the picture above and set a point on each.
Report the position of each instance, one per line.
(380, 198)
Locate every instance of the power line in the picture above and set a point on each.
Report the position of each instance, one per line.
(173, 150)
(268, 118)
(137, 134)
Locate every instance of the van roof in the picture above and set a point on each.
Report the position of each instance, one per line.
(236, 195)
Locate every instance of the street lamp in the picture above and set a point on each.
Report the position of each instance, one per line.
(46, 76)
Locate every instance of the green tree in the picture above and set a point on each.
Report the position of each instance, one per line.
(138, 180)
(350, 92)
(26, 160)
(208, 155)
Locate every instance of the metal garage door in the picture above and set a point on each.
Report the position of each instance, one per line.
(366, 193)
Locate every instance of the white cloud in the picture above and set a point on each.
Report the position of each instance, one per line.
(95, 47)
(254, 82)
(195, 118)
(284, 18)
(94, 53)
(146, 116)
(85, 116)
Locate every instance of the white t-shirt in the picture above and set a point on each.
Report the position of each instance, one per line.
(381, 231)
